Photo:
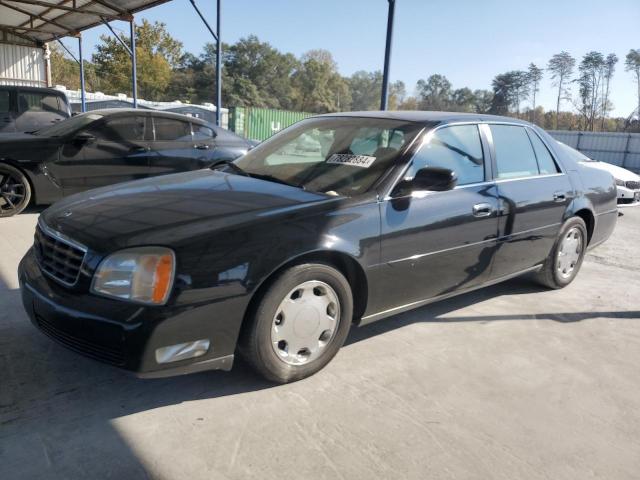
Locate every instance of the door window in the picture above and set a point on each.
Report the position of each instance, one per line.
(457, 148)
(131, 129)
(170, 130)
(546, 164)
(39, 102)
(4, 102)
(515, 157)
(200, 132)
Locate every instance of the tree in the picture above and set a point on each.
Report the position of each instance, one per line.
(561, 67)
(434, 93)
(328, 90)
(260, 75)
(397, 94)
(463, 100)
(157, 53)
(520, 87)
(632, 64)
(366, 88)
(609, 68)
(591, 70)
(483, 100)
(509, 89)
(318, 86)
(535, 76)
(66, 71)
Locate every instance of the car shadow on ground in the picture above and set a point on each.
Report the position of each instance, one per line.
(51, 397)
(41, 372)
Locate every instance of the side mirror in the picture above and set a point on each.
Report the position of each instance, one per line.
(83, 138)
(433, 179)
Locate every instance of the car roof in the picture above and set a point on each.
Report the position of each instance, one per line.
(428, 116)
(156, 113)
(25, 88)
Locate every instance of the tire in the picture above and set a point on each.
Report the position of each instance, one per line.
(15, 191)
(562, 265)
(289, 336)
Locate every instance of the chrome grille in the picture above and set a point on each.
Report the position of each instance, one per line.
(58, 258)
(633, 185)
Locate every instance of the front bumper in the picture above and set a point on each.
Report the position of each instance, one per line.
(627, 197)
(127, 335)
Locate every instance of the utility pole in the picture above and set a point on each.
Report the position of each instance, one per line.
(387, 56)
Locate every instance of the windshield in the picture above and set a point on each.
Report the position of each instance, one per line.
(575, 154)
(69, 125)
(332, 155)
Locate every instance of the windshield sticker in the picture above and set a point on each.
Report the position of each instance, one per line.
(362, 161)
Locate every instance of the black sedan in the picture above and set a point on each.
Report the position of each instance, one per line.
(277, 254)
(106, 147)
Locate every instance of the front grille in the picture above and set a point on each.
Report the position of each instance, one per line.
(58, 258)
(633, 185)
(114, 356)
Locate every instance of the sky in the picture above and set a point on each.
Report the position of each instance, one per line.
(468, 41)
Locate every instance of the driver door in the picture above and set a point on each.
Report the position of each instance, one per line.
(435, 243)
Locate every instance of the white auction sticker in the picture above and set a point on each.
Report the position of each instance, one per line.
(362, 161)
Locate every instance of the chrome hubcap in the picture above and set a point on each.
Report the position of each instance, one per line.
(305, 322)
(569, 252)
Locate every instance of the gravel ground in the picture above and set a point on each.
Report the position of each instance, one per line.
(508, 382)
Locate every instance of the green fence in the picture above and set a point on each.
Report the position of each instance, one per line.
(261, 123)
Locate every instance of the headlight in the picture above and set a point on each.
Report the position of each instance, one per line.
(143, 275)
(619, 182)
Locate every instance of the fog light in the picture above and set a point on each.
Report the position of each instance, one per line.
(182, 351)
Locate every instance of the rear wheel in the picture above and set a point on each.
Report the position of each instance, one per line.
(299, 324)
(15, 191)
(566, 257)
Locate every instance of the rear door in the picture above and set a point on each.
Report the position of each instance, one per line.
(37, 110)
(534, 194)
(119, 152)
(174, 148)
(435, 243)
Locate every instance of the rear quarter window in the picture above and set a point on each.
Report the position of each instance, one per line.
(546, 163)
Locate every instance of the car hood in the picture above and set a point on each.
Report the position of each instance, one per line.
(172, 209)
(12, 141)
(617, 172)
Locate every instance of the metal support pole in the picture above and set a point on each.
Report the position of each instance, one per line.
(83, 100)
(134, 63)
(387, 56)
(218, 70)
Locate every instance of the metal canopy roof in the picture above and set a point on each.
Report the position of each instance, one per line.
(45, 20)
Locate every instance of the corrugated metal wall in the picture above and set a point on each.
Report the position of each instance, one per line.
(622, 149)
(22, 65)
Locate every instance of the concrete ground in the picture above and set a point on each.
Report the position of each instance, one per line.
(509, 382)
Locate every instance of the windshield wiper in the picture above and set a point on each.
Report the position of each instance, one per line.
(232, 165)
(271, 178)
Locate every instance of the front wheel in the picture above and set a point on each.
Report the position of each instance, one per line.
(15, 191)
(565, 259)
(299, 324)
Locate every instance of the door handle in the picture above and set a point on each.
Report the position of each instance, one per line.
(201, 147)
(482, 210)
(559, 197)
(139, 149)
